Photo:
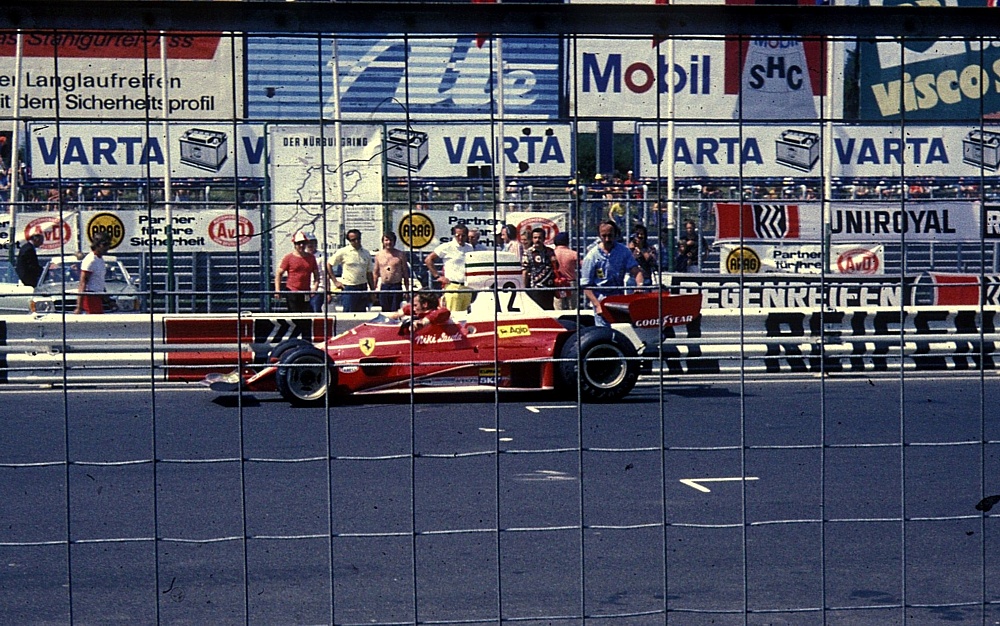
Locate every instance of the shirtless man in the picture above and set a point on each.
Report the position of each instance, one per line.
(392, 273)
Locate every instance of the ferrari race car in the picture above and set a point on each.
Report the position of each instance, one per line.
(521, 348)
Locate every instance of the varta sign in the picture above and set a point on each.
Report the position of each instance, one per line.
(781, 150)
(133, 151)
(474, 150)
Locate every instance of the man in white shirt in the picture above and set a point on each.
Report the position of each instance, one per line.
(452, 274)
(356, 279)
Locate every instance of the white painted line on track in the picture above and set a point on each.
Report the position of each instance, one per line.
(538, 409)
(696, 482)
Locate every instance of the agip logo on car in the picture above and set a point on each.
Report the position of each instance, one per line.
(512, 331)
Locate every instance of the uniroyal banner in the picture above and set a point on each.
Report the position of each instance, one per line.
(193, 231)
(866, 260)
(876, 222)
(425, 230)
(927, 79)
(768, 222)
(134, 150)
(312, 169)
(397, 78)
(475, 150)
(117, 75)
(782, 150)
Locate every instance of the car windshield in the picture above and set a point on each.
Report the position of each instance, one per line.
(7, 273)
(54, 274)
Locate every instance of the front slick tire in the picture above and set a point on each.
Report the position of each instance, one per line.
(605, 363)
(304, 375)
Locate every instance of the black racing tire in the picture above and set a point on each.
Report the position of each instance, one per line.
(282, 348)
(603, 361)
(304, 375)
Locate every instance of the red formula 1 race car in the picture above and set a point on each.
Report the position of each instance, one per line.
(521, 348)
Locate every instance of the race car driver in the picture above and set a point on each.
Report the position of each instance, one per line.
(425, 310)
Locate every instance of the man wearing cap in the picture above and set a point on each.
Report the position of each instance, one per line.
(302, 270)
(29, 270)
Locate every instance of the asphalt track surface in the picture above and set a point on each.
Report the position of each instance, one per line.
(587, 498)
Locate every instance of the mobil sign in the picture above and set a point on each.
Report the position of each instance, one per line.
(624, 78)
(460, 150)
(755, 78)
(136, 151)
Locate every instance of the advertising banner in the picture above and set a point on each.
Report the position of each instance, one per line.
(116, 75)
(308, 179)
(389, 78)
(858, 151)
(425, 230)
(926, 79)
(796, 292)
(875, 222)
(207, 230)
(135, 150)
(711, 78)
(801, 259)
(56, 233)
(952, 289)
(473, 150)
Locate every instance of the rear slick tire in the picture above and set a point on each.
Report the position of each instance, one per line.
(603, 362)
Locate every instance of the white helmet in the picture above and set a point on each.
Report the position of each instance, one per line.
(300, 236)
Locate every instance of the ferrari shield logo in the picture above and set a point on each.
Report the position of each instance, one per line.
(367, 346)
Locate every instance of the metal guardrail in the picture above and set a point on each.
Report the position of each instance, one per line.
(54, 349)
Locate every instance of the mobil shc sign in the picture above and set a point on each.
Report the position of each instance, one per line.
(926, 79)
(116, 75)
(392, 78)
(771, 78)
(137, 151)
(460, 150)
(790, 149)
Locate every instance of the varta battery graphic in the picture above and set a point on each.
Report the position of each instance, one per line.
(928, 79)
(204, 149)
(797, 149)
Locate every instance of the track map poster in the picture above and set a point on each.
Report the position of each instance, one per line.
(307, 177)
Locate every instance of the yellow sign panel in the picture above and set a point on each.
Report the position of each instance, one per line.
(416, 230)
(743, 260)
(109, 224)
(517, 330)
